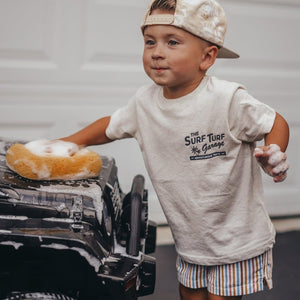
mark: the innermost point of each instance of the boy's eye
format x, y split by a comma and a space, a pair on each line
149, 42
173, 42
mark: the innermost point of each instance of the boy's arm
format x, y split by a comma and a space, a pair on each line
279, 133
271, 157
93, 134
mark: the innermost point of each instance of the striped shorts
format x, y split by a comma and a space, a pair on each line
240, 278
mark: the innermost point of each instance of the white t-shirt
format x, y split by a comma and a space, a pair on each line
198, 151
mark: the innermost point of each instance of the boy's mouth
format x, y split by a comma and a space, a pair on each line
159, 69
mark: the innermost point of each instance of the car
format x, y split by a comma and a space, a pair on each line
74, 239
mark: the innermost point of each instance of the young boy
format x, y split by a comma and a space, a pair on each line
197, 135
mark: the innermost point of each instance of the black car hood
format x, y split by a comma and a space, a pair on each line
57, 214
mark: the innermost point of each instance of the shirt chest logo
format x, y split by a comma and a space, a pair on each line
205, 146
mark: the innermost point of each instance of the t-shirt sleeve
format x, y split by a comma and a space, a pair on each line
123, 122
249, 119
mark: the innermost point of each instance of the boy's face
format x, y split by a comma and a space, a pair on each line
172, 58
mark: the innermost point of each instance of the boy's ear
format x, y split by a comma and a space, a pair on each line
209, 57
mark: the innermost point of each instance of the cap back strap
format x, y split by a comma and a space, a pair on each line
159, 20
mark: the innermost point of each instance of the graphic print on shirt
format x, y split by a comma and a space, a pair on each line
205, 146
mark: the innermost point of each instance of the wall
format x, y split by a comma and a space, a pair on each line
65, 63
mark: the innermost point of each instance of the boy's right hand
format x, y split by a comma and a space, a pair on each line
273, 161
61, 147
54, 147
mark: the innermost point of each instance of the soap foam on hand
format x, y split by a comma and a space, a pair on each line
55, 147
273, 161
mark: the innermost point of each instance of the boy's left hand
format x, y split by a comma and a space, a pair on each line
273, 161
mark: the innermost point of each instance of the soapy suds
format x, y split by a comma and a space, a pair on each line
277, 163
11, 217
42, 172
119, 249
10, 243
280, 168
93, 191
63, 220
61, 207
2, 147
2, 231
56, 147
85, 173
275, 155
44, 296
93, 261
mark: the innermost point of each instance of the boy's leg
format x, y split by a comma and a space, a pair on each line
202, 294
192, 294
216, 297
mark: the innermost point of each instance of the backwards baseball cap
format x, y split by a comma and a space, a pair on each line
203, 18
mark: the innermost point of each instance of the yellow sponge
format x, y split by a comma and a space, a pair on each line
82, 164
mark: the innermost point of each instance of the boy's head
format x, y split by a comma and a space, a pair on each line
205, 19
182, 40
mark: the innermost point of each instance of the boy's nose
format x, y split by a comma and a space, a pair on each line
158, 52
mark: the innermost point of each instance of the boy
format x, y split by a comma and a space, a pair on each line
197, 135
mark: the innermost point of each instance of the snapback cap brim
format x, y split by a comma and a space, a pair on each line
226, 53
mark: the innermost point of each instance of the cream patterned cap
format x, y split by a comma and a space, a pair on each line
203, 18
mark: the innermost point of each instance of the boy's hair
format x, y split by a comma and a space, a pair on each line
168, 5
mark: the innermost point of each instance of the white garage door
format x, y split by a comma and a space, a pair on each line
65, 63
